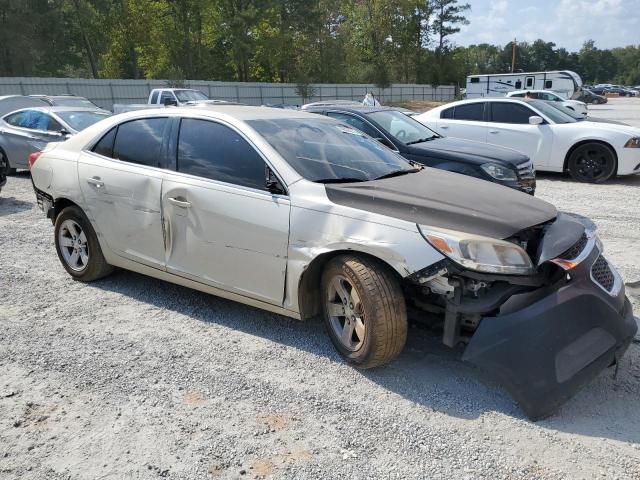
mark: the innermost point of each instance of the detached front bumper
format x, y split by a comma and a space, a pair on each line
547, 344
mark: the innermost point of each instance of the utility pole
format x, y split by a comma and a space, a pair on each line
513, 55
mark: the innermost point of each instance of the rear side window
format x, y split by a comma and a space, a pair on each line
447, 113
32, 119
140, 141
471, 111
503, 112
548, 84
154, 97
518, 85
15, 119
211, 150
474, 80
105, 146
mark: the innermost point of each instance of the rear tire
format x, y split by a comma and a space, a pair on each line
77, 246
364, 310
592, 163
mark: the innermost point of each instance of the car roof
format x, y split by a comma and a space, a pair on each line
532, 90
58, 109
62, 95
351, 108
239, 112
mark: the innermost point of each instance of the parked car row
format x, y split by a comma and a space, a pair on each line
336, 211
604, 88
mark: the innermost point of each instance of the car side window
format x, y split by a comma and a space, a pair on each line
15, 119
211, 150
104, 146
166, 95
447, 113
355, 122
470, 111
548, 84
154, 97
31, 119
53, 125
504, 112
361, 125
140, 141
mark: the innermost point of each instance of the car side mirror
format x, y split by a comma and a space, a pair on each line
170, 102
535, 120
272, 184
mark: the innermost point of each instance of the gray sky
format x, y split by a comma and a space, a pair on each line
568, 23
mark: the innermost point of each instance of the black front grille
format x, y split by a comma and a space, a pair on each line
577, 248
601, 273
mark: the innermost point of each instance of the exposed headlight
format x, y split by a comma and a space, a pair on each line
633, 143
480, 253
499, 172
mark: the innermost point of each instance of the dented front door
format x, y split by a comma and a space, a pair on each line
123, 201
227, 236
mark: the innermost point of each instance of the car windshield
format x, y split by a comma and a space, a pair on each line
81, 120
74, 102
550, 110
322, 150
401, 126
190, 95
567, 111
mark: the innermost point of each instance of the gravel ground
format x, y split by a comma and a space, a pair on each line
132, 377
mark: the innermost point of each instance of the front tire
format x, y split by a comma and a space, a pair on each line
77, 246
592, 163
364, 310
4, 162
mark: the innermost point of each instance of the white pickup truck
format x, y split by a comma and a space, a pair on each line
164, 97
176, 96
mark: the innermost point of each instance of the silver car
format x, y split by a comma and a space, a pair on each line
302, 215
28, 130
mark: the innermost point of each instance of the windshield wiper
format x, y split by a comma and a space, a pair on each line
339, 180
397, 173
420, 140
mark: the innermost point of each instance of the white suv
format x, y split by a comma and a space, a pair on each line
549, 96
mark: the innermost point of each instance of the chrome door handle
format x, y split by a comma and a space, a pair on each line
179, 202
444, 127
493, 131
96, 182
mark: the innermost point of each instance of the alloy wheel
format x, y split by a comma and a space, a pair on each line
592, 163
73, 245
346, 315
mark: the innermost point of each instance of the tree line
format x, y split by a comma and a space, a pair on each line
297, 41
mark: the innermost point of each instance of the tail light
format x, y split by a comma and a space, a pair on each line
32, 158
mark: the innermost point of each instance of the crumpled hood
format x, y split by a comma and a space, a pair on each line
472, 152
447, 200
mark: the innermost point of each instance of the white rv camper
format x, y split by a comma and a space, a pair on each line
564, 82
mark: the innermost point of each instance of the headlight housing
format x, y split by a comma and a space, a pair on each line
499, 172
476, 252
633, 143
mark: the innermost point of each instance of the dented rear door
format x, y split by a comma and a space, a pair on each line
124, 203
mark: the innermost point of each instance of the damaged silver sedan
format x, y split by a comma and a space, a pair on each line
302, 215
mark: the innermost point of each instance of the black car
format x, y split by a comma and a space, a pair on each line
420, 144
589, 96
